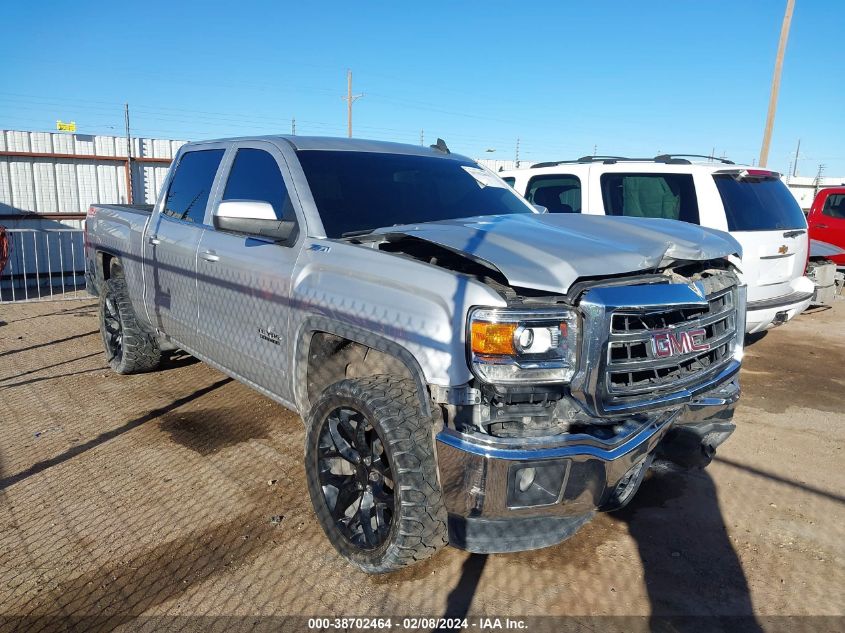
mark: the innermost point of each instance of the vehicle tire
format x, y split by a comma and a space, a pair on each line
625, 489
129, 349
372, 473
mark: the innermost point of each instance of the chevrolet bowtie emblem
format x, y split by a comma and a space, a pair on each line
783, 249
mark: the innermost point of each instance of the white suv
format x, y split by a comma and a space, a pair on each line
752, 204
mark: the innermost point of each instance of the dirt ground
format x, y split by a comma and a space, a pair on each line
126, 497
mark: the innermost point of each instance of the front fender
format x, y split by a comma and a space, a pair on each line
413, 310
314, 324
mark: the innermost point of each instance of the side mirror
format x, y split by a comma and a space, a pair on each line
540, 208
252, 217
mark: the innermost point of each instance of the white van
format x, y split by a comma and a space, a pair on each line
750, 203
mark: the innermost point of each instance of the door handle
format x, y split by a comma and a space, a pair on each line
154, 240
210, 256
819, 226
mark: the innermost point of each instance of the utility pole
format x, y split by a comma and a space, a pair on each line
293, 126
517, 152
818, 183
130, 195
773, 97
422, 137
350, 99
595, 149
795, 163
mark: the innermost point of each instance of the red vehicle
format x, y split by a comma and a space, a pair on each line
827, 219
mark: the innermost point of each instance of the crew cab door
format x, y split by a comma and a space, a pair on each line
827, 218
171, 243
244, 281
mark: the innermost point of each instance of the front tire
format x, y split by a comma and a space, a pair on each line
372, 475
129, 349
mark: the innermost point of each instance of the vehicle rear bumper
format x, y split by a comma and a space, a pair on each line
765, 313
574, 475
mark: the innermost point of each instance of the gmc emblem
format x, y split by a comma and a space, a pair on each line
669, 343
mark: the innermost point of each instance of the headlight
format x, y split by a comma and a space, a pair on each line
523, 346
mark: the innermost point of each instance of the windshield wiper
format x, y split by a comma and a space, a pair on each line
357, 233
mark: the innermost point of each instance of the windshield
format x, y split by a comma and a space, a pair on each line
360, 191
759, 204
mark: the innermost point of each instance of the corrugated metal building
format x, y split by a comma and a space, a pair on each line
57, 175
47, 182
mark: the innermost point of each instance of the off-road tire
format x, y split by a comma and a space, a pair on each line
419, 522
138, 350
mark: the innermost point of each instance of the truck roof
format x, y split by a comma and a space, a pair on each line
331, 143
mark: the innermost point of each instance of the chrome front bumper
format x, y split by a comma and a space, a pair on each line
577, 474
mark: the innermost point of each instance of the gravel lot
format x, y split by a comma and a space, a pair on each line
152, 495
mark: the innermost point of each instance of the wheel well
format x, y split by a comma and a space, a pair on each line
104, 261
332, 358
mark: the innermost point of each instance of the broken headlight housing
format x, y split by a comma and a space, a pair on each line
523, 346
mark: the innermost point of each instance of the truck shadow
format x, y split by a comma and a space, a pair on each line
693, 576
751, 339
460, 598
692, 573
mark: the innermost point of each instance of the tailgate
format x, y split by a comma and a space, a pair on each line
771, 260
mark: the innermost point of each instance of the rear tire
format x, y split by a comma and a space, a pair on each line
372, 474
129, 349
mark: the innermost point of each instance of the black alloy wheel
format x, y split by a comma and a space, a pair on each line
371, 471
356, 478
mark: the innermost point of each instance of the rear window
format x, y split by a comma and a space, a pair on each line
188, 194
759, 204
650, 195
559, 194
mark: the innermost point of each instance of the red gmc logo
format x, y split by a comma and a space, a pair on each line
669, 343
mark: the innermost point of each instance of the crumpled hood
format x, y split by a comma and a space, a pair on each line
550, 252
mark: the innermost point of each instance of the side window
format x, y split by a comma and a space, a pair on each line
188, 193
670, 196
834, 206
510, 180
255, 175
558, 193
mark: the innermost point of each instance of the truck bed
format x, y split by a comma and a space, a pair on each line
118, 230
144, 209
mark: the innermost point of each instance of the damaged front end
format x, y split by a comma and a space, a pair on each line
575, 396
580, 381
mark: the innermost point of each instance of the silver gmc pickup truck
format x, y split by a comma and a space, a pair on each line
470, 370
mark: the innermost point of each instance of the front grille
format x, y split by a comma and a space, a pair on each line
635, 369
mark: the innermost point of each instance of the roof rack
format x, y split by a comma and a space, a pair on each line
670, 159
682, 159
589, 159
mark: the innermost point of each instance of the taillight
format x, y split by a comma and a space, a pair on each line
92, 210
807, 263
758, 173
742, 174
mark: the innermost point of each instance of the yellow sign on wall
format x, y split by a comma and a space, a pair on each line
70, 126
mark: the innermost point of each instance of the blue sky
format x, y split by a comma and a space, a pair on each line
630, 78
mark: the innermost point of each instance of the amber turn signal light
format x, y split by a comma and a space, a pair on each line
493, 338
